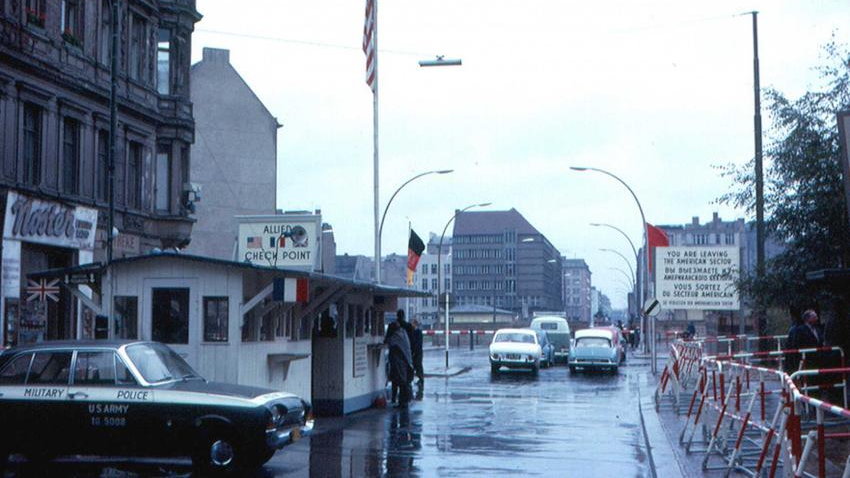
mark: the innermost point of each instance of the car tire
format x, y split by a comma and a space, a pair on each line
217, 453
494, 369
535, 369
572, 369
614, 370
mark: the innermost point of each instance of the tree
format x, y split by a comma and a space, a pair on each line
804, 190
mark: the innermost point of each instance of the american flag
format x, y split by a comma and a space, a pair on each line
255, 242
369, 45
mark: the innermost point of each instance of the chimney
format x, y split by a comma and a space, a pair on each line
715, 218
216, 55
695, 221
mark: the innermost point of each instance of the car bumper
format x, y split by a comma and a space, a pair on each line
282, 437
513, 363
562, 355
588, 363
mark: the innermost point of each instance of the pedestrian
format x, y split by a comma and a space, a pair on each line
416, 344
808, 333
400, 358
637, 338
692, 331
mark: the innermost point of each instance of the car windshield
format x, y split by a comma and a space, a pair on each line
158, 363
593, 342
549, 325
514, 337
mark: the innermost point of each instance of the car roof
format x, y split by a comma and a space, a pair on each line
548, 318
595, 332
73, 344
511, 331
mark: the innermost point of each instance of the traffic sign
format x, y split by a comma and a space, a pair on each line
651, 307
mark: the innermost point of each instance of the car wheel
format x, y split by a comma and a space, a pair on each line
494, 369
614, 370
535, 369
217, 453
572, 369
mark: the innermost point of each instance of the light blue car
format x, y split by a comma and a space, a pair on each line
595, 349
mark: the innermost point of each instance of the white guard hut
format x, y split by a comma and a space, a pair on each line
315, 335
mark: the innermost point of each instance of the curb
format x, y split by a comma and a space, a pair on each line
449, 373
662, 449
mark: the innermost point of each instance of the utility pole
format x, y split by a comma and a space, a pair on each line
760, 315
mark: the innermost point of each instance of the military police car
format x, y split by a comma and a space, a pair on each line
133, 398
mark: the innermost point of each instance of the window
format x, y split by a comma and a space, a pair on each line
163, 62
50, 368
95, 368
448, 284
433, 268
216, 319
170, 315
434, 284
72, 21
359, 325
32, 144
424, 284
424, 269
136, 68
105, 32
730, 239
162, 181
70, 156
102, 167
126, 316
134, 175
15, 372
35, 13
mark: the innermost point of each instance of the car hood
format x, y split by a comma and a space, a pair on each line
514, 347
227, 390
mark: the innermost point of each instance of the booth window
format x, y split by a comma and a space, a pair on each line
306, 327
215, 319
359, 330
126, 317
267, 326
170, 307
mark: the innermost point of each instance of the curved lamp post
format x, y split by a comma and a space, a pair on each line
623, 257
644, 272
631, 279
384, 216
440, 271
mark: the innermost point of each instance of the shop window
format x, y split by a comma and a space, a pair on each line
162, 179
94, 368
126, 315
72, 22
50, 368
215, 319
163, 62
170, 312
70, 156
32, 144
15, 373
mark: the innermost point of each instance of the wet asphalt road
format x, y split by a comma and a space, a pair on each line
555, 424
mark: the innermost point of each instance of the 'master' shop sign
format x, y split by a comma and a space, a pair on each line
46, 222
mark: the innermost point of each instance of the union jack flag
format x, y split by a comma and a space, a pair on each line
42, 290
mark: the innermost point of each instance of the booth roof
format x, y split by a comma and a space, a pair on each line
99, 267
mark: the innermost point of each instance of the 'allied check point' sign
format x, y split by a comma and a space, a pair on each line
697, 278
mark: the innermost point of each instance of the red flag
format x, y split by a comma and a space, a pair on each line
657, 238
415, 247
369, 26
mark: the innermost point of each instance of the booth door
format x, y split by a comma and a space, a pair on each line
172, 315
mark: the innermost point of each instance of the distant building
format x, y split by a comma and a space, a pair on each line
426, 309
480, 317
576, 287
357, 267
499, 259
234, 157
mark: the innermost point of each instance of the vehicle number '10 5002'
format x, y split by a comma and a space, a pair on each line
109, 421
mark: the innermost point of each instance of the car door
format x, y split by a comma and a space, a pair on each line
13, 378
45, 400
101, 394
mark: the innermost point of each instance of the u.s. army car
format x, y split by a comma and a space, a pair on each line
137, 398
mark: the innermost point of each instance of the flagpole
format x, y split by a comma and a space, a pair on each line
375, 143
410, 283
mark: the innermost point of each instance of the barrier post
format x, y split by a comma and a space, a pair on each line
471, 338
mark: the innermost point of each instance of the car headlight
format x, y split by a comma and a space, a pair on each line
276, 415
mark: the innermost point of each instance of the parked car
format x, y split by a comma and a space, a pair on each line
597, 348
138, 398
558, 330
547, 350
515, 348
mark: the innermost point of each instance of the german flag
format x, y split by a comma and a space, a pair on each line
415, 247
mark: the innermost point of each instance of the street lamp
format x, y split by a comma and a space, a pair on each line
644, 272
631, 279
632, 244
623, 257
384, 216
440, 271
441, 60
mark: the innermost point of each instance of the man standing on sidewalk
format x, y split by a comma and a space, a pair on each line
400, 358
416, 344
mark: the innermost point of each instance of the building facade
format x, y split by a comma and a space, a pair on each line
576, 290
500, 259
234, 158
55, 58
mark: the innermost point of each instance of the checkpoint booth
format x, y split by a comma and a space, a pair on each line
312, 334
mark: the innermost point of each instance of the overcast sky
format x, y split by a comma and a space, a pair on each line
657, 92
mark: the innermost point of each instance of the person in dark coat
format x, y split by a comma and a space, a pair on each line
400, 358
416, 344
805, 335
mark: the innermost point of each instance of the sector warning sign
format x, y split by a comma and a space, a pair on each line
700, 278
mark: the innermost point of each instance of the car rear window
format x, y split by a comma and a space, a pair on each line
548, 325
514, 337
593, 342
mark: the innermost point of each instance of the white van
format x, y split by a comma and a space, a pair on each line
558, 330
